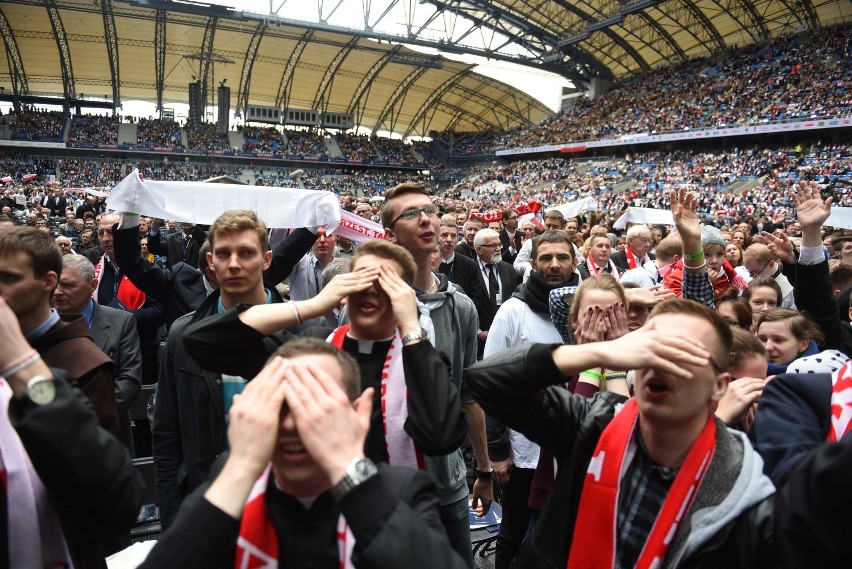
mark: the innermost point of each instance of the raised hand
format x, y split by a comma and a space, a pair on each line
615, 321
403, 299
739, 400
780, 246
811, 209
331, 427
683, 205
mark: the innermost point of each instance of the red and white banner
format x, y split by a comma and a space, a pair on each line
356, 228
6, 179
29, 177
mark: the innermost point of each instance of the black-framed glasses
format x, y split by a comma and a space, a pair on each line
429, 210
754, 274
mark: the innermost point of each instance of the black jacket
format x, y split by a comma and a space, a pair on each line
506, 242
223, 343
189, 417
94, 487
804, 524
813, 295
176, 249
393, 517
181, 288
464, 272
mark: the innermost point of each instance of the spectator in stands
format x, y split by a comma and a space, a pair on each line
112, 330
306, 278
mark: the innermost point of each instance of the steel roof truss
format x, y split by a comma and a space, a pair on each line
328, 78
248, 64
111, 38
286, 85
397, 95
160, 56
435, 96
20, 83
63, 49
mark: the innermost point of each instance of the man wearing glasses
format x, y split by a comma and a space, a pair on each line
759, 262
511, 239
637, 252
411, 220
497, 276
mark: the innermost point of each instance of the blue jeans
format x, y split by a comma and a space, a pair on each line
456, 522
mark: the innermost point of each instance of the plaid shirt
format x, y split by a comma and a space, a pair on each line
643, 491
697, 287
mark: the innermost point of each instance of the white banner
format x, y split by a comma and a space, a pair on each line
644, 215
356, 228
840, 217
574, 209
198, 202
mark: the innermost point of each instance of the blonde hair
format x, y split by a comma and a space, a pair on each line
237, 221
604, 282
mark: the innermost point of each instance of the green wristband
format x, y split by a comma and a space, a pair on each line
694, 256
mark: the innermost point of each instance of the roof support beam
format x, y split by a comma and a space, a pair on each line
460, 113
355, 106
699, 16
284, 88
434, 98
328, 77
160, 56
111, 38
493, 104
62, 48
397, 96
662, 33
248, 64
20, 83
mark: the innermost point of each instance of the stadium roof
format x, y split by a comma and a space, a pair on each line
152, 49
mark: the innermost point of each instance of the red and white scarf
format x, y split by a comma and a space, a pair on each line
841, 402
35, 534
631, 258
257, 544
401, 449
130, 297
595, 271
593, 545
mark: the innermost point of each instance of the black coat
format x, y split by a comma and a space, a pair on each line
463, 272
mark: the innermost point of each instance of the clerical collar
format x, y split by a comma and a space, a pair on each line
366, 346
305, 501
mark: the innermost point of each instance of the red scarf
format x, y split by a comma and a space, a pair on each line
841, 402
130, 297
594, 541
402, 451
257, 544
631, 260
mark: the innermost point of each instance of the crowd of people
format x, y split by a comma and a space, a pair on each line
93, 130
267, 139
158, 133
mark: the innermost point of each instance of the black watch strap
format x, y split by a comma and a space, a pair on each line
487, 475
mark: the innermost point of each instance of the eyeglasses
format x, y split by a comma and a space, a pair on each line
754, 274
429, 210
490, 245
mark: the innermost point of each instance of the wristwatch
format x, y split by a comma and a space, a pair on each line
359, 470
420, 334
41, 390
484, 475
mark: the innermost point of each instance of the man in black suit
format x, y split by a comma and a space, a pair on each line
497, 276
511, 239
637, 252
56, 203
113, 331
461, 270
466, 247
179, 247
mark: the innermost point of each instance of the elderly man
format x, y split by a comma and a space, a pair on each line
112, 330
306, 278
64, 245
637, 252
304, 494
466, 247
496, 276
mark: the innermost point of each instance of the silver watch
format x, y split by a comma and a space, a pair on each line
41, 390
359, 470
420, 334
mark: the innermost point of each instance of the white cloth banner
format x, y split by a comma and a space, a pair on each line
644, 215
840, 217
356, 228
574, 209
198, 202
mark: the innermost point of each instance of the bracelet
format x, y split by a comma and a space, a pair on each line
23, 358
615, 375
32, 357
590, 373
701, 266
296, 312
487, 475
694, 256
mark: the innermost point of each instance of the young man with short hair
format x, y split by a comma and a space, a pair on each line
296, 489
411, 220
192, 404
